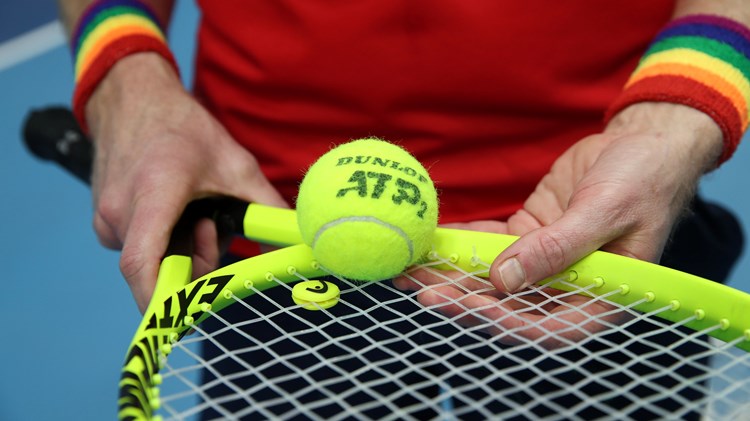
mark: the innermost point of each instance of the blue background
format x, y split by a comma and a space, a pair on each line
68, 314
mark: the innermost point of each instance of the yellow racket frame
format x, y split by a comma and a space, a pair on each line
179, 303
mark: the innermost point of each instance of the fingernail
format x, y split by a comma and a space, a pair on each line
512, 275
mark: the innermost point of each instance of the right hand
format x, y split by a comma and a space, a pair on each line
157, 149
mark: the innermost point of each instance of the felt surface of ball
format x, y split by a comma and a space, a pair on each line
368, 209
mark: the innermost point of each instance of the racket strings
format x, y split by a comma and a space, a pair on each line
289, 356
380, 353
387, 377
730, 397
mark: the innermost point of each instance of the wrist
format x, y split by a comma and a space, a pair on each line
685, 134
127, 84
703, 62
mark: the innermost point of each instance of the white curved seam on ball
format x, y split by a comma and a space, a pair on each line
372, 219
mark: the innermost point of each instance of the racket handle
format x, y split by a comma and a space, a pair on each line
53, 134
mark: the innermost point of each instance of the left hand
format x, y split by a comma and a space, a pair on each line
540, 315
621, 191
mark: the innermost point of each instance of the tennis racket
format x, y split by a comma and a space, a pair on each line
276, 337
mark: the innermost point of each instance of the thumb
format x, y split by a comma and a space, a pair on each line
546, 251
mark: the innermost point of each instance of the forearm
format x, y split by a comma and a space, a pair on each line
738, 10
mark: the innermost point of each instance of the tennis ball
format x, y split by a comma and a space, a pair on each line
368, 209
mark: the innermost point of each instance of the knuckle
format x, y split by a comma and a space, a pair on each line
108, 217
249, 169
108, 209
106, 235
553, 248
132, 264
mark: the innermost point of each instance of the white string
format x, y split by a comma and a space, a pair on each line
483, 377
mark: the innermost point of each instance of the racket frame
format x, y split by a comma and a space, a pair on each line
178, 304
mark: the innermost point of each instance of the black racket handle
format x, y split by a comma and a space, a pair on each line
53, 134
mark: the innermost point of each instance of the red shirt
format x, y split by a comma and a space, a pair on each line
485, 93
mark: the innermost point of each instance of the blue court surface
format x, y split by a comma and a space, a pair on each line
68, 315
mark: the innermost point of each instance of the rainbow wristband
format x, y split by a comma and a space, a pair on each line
701, 61
107, 31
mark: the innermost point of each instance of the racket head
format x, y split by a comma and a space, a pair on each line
462, 259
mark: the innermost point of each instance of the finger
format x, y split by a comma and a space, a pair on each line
522, 222
561, 321
105, 231
206, 251
491, 226
647, 245
417, 279
457, 304
488, 313
246, 181
425, 277
145, 243
548, 250
111, 212
550, 198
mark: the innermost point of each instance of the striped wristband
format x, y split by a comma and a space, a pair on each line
701, 61
107, 31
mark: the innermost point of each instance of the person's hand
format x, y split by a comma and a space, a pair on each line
157, 149
620, 191
547, 316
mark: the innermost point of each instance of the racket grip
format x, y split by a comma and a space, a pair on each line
53, 134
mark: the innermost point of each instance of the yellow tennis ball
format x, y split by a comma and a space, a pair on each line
368, 209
